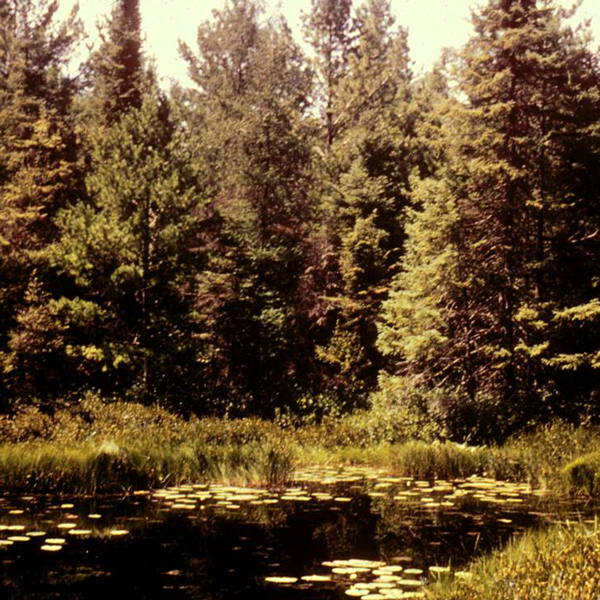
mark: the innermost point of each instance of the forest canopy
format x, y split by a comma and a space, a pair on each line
298, 235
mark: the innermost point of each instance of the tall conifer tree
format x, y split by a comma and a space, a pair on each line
115, 68
492, 326
38, 174
128, 255
329, 29
364, 193
248, 113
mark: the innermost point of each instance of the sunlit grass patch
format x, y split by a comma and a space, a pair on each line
85, 468
560, 562
97, 447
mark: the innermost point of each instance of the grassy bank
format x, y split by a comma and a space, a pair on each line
98, 447
86, 468
120, 447
560, 562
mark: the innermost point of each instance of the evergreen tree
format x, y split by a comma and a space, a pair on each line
248, 110
364, 194
330, 31
37, 144
115, 69
128, 255
38, 174
482, 302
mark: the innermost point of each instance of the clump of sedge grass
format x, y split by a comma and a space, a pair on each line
415, 458
446, 460
98, 446
542, 455
88, 469
583, 474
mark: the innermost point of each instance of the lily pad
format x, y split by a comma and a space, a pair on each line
281, 579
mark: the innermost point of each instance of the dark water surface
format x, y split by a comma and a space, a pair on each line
335, 532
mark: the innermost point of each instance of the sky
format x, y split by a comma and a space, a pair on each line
432, 25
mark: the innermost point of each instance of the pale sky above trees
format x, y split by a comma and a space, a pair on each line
432, 25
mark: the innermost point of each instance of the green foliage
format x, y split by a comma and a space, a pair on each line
35, 138
583, 474
329, 30
544, 452
253, 145
115, 69
99, 447
32, 367
89, 417
364, 192
416, 413
92, 446
38, 176
298, 238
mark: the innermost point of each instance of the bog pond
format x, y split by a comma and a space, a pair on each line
334, 533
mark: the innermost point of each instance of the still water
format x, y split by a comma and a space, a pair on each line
332, 534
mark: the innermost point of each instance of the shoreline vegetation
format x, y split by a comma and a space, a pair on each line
99, 447
562, 561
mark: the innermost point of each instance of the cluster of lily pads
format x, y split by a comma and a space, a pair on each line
331, 487
18, 528
372, 579
334, 487
219, 496
437, 493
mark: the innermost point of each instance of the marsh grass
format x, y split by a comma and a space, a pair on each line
560, 562
543, 454
415, 458
87, 469
98, 446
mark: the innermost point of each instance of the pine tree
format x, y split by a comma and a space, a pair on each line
128, 255
329, 29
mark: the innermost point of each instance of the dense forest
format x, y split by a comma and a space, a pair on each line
300, 234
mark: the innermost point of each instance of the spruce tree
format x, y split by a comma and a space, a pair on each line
39, 172
492, 327
115, 69
364, 194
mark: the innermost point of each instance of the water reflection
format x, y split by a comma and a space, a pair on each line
352, 532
